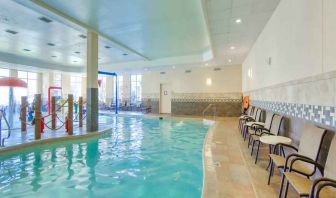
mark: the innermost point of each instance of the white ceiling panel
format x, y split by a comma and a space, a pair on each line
163, 31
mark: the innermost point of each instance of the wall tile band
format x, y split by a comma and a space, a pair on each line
324, 115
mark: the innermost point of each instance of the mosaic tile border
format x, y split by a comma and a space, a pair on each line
209, 100
325, 115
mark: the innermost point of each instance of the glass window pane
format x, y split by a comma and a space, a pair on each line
4, 72
32, 75
22, 74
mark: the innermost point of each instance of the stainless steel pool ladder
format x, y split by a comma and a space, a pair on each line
214, 110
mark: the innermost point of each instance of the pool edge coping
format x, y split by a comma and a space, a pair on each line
205, 161
53, 140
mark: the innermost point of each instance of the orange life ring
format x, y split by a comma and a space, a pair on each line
246, 100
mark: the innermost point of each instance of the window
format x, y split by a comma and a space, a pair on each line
57, 80
136, 88
76, 86
102, 88
31, 79
4, 72
120, 88
4, 90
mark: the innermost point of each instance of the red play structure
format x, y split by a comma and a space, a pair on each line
49, 95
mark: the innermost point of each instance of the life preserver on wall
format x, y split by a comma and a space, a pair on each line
246, 100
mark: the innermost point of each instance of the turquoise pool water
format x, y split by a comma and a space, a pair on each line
142, 157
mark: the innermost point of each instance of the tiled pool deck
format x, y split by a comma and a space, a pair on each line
230, 171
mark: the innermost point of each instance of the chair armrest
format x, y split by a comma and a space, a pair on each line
257, 125
285, 145
296, 157
307, 160
326, 182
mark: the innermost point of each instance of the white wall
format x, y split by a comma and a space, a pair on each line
299, 38
227, 80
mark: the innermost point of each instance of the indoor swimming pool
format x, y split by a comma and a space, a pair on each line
142, 157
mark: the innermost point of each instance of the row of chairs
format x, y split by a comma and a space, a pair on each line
298, 166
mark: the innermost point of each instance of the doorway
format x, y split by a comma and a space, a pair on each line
165, 98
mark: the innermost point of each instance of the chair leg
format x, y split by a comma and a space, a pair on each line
270, 172
281, 184
256, 159
249, 142
245, 133
286, 189
252, 147
270, 150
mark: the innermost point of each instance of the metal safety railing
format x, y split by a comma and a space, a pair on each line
38, 121
210, 107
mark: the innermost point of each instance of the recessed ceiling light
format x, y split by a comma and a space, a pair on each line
107, 47
77, 52
27, 50
45, 19
206, 64
232, 47
125, 54
82, 36
11, 31
238, 21
50, 44
229, 60
173, 66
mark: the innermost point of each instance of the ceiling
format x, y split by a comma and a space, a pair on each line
133, 34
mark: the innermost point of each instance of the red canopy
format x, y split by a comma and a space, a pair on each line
12, 82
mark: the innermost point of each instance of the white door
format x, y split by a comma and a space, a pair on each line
165, 98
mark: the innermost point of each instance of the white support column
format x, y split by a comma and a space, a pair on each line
92, 83
40, 83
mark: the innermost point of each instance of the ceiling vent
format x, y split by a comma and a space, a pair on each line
125, 54
107, 47
27, 50
217, 69
45, 19
82, 36
162, 73
11, 31
77, 52
50, 44
187, 71
53, 56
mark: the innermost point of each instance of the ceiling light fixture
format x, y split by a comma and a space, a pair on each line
206, 64
11, 31
173, 66
45, 19
229, 60
232, 47
238, 21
